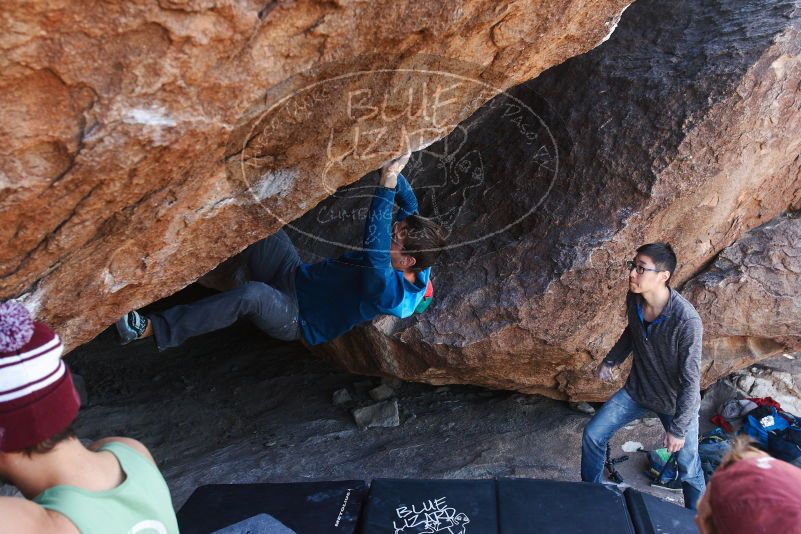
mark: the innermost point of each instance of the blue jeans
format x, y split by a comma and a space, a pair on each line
620, 410
268, 299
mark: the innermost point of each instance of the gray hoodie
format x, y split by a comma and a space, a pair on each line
666, 372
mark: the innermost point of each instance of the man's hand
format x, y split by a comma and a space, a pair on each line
390, 171
606, 372
672, 443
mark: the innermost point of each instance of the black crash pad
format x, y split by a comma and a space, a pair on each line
305, 508
431, 506
548, 506
393, 506
651, 515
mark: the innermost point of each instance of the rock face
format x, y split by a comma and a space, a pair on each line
750, 298
766, 382
681, 128
145, 142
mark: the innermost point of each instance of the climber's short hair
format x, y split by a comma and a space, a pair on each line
424, 240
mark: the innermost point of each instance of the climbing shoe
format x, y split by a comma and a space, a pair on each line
131, 326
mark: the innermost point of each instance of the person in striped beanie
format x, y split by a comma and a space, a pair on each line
67, 483
37, 397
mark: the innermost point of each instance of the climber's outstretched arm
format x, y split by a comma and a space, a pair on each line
405, 198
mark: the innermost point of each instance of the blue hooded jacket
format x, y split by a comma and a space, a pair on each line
335, 295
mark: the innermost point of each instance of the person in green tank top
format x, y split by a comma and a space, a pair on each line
113, 486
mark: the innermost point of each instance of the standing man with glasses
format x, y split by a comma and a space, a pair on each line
664, 333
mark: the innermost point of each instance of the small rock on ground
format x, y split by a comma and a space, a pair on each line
383, 414
341, 396
382, 392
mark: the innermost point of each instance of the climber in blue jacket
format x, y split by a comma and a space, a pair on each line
288, 299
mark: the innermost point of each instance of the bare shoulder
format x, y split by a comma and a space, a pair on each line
132, 443
21, 516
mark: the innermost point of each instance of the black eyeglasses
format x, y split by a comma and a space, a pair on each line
639, 268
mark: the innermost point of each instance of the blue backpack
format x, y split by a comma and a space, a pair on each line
761, 425
786, 444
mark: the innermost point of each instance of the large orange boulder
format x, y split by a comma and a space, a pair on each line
145, 142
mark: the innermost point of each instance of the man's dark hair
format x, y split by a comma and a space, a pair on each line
50, 443
662, 255
424, 240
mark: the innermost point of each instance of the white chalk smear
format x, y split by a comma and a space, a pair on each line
111, 282
632, 446
32, 301
151, 117
275, 183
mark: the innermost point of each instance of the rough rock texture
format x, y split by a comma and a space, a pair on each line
382, 414
682, 127
750, 298
144, 142
767, 382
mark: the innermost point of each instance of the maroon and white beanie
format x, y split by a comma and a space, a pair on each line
37, 397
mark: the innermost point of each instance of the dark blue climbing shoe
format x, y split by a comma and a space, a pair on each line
131, 326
